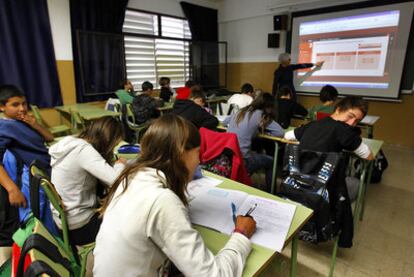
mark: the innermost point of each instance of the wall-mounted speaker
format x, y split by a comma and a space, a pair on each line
273, 40
280, 22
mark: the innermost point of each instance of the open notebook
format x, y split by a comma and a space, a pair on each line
212, 208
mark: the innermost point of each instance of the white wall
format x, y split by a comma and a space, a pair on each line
245, 24
59, 15
168, 7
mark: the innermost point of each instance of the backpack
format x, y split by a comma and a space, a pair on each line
36, 251
20, 174
307, 183
380, 164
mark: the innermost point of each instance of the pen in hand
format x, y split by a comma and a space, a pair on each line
252, 208
233, 210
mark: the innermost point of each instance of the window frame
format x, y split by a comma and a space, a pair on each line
159, 36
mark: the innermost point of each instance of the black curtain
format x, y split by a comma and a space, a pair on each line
27, 57
202, 21
204, 48
98, 51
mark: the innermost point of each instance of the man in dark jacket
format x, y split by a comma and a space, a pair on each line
283, 75
193, 110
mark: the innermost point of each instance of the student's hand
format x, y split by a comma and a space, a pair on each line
17, 199
246, 224
29, 119
122, 161
319, 64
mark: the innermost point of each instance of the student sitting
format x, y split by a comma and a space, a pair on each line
337, 132
256, 118
23, 137
166, 91
244, 98
185, 92
126, 92
193, 110
144, 106
328, 96
78, 164
145, 214
287, 108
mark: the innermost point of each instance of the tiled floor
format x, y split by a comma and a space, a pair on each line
383, 241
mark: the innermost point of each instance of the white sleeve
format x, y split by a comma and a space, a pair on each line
362, 151
91, 161
170, 228
290, 135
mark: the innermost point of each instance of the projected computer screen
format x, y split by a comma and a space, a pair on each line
363, 50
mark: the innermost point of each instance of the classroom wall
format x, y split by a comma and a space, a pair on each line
59, 16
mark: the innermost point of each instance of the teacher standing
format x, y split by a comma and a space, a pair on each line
283, 76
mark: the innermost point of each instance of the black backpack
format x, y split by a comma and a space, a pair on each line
309, 173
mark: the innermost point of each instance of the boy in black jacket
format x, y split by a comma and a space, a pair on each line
287, 107
193, 110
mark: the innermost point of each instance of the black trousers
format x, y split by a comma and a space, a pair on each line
86, 234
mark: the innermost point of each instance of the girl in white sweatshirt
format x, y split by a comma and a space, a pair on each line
145, 217
78, 163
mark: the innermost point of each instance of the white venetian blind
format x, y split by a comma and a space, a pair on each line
149, 58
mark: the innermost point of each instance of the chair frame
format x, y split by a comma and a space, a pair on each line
57, 203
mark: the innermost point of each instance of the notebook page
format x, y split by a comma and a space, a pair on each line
212, 208
273, 221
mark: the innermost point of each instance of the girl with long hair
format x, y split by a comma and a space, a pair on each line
78, 164
145, 216
258, 117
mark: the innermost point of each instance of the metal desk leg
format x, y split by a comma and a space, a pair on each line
294, 256
367, 182
360, 193
370, 131
220, 108
273, 185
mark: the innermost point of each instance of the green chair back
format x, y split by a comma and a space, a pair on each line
36, 114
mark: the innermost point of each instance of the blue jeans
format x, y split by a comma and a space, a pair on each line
255, 161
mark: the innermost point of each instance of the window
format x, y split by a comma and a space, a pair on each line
156, 46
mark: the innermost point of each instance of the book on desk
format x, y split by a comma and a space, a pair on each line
211, 207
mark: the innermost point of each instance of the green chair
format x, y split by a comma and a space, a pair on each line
57, 203
59, 129
138, 129
76, 121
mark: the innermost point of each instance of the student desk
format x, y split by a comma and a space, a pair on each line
365, 178
86, 111
260, 257
368, 122
217, 100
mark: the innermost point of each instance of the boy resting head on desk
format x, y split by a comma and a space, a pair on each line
337, 132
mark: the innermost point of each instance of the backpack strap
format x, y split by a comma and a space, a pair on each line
50, 250
40, 267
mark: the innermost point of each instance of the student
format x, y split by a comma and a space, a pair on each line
144, 106
283, 75
287, 108
185, 92
256, 118
244, 98
145, 214
23, 137
166, 91
337, 133
126, 92
193, 110
328, 96
78, 164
